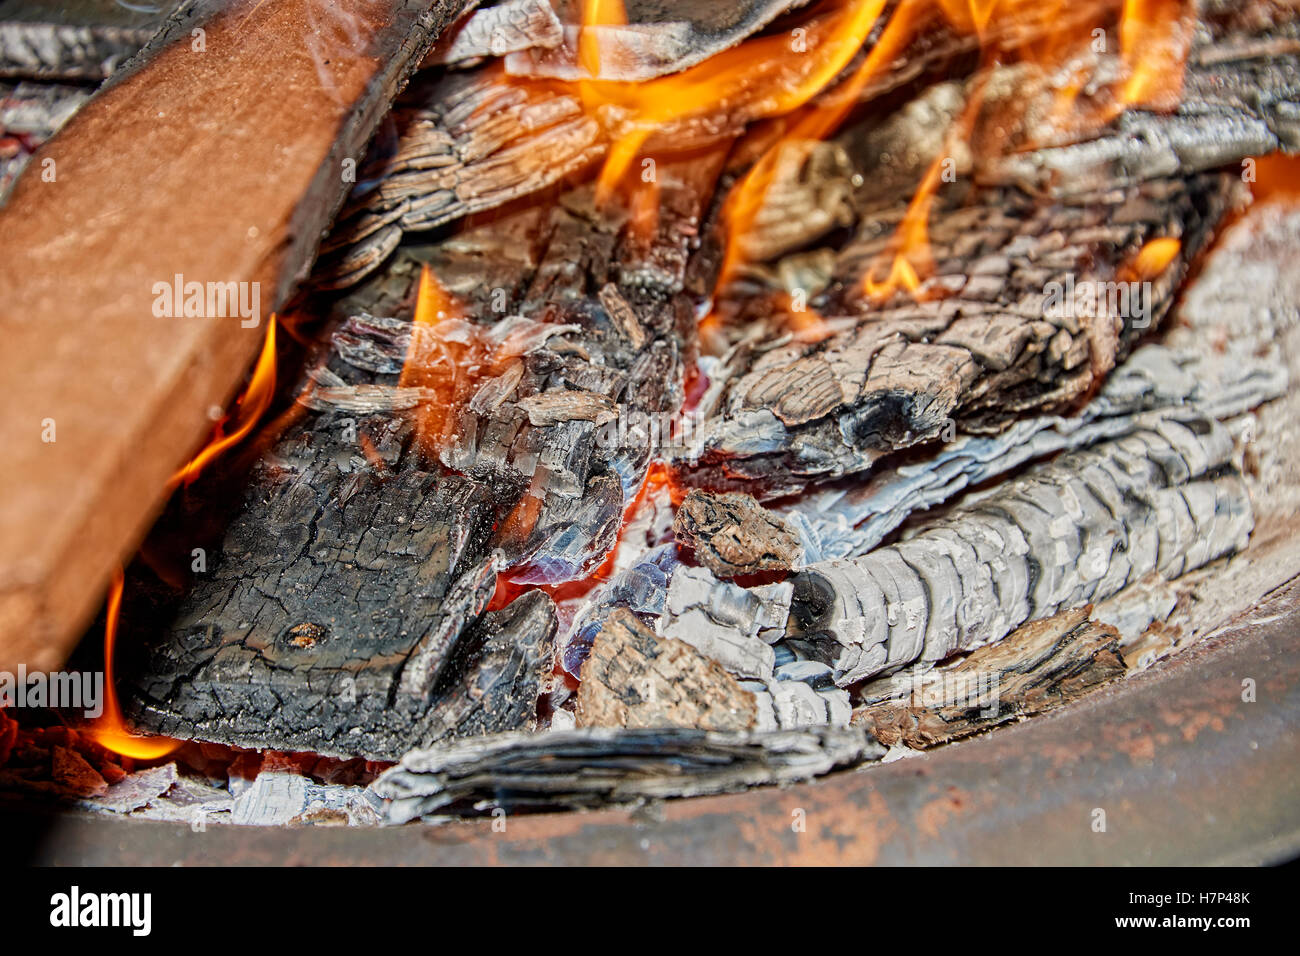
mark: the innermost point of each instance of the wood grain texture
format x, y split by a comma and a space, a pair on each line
187, 163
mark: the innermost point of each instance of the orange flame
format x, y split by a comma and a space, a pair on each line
1153, 47
1154, 257
252, 406
110, 730
435, 360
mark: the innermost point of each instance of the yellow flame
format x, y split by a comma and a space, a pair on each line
1155, 256
109, 730
252, 406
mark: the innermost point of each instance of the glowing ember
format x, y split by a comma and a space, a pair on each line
110, 730
252, 406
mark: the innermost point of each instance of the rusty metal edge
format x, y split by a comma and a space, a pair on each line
1185, 770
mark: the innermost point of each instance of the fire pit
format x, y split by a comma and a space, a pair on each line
635, 402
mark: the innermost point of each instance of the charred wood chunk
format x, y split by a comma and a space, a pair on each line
595, 767
733, 534
1067, 533
1031, 320
1041, 666
658, 38
338, 600
634, 678
1240, 97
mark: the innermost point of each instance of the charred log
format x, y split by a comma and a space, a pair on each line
1009, 336
600, 767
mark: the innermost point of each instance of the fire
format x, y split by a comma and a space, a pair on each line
110, 729
439, 357
252, 406
1153, 39
1154, 257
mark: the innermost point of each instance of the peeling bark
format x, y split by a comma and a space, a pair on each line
1041, 666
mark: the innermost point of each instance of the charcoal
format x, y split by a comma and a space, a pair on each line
357, 567
732, 534
597, 767
1039, 667
1078, 529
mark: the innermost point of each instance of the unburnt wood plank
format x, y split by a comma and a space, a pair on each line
190, 162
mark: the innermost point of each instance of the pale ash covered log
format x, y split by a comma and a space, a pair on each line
1067, 533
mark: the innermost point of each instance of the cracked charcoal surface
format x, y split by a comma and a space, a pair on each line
1065, 534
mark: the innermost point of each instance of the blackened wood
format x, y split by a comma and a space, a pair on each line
353, 537
595, 767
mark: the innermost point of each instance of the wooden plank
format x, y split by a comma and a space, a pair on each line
221, 165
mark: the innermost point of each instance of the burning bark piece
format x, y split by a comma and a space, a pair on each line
495, 31
1069, 532
634, 678
1014, 336
839, 522
597, 767
1039, 667
1240, 97
95, 277
658, 38
732, 534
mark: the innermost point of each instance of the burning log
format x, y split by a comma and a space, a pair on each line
596, 767
90, 457
838, 522
380, 561
1069, 532
495, 31
1041, 666
1012, 336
